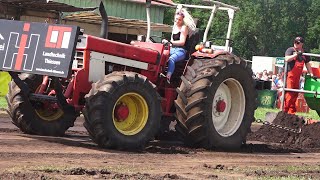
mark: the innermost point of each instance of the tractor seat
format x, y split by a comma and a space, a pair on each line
190, 47
192, 42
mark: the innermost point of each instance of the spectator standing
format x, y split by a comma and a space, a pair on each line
280, 82
265, 75
274, 83
296, 61
259, 75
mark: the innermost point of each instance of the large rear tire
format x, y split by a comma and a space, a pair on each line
122, 111
216, 103
40, 118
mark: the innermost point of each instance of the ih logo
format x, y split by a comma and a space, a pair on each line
58, 37
22, 51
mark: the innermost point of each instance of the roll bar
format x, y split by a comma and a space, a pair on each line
216, 6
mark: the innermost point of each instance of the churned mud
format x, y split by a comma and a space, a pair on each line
266, 154
308, 140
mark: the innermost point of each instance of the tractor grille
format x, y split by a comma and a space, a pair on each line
78, 60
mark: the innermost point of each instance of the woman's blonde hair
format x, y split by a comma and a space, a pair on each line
187, 19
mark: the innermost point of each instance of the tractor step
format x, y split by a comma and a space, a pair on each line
42, 97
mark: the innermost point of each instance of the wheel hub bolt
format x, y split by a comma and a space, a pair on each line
221, 106
121, 112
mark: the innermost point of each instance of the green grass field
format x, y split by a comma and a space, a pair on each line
261, 112
3, 103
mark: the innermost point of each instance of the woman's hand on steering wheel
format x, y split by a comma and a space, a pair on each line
165, 41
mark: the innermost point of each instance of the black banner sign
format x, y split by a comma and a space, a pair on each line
37, 48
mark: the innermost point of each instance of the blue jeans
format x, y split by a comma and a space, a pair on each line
176, 54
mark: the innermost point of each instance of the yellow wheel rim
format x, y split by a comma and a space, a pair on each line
49, 115
137, 117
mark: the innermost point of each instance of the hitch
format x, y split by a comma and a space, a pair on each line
60, 96
23, 86
60, 99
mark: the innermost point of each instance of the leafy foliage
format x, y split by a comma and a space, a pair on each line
262, 27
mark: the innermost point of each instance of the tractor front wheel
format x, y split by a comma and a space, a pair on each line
35, 117
122, 111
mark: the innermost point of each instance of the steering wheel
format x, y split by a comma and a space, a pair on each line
155, 36
160, 37
166, 45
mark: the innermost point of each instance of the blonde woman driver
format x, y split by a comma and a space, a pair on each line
183, 27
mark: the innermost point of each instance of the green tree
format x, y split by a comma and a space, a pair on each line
263, 27
313, 33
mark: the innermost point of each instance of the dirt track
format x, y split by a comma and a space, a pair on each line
76, 157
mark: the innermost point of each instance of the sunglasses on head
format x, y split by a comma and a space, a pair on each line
180, 13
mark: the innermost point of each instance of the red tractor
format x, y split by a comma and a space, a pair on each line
121, 94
